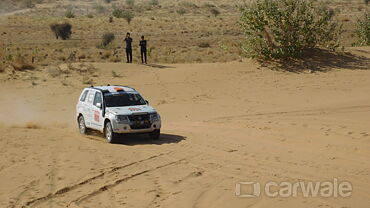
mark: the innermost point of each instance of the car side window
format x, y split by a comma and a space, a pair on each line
98, 98
90, 97
84, 95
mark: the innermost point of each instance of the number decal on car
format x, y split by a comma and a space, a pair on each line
96, 116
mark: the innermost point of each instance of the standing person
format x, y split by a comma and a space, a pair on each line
128, 41
143, 49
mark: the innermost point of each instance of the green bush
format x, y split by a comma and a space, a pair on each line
70, 14
99, 8
107, 39
63, 31
215, 11
187, 4
153, 2
130, 3
204, 45
363, 30
127, 15
208, 5
28, 3
286, 28
117, 13
181, 11
2, 67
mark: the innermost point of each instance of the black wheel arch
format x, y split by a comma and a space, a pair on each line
78, 117
105, 124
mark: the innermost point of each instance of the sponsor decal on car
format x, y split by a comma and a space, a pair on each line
134, 109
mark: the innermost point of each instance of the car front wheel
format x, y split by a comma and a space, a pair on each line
82, 125
109, 134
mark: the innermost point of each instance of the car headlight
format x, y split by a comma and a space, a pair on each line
154, 117
122, 119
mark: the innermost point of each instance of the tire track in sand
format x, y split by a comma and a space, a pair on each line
72, 187
106, 187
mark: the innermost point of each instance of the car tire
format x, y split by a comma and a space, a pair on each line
155, 134
82, 125
109, 134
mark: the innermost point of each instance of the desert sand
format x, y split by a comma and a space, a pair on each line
226, 119
223, 123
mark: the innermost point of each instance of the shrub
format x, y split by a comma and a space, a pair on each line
286, 28
63, 31
20, 64
107, 1
107, 39
87, 81
188, 4
209, 5
28, 4
127, 15
70, 14
90, 15
215, 11
366, 2
153, 2
114, 74
181, 11
204, 45
363, 30
130, 3
99, 8
2, 67
117, 13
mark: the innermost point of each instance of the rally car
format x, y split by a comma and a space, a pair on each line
116, 110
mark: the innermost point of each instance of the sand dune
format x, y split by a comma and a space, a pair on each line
223, 124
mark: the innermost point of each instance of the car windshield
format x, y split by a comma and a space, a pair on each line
123, 99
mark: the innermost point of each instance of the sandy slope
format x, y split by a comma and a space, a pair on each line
223, 123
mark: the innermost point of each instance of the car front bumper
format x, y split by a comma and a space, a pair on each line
125, 128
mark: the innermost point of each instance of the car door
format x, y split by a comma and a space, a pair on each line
81, 105
89, 109
97, 110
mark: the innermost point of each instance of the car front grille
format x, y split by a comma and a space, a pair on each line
143, 117
140, 121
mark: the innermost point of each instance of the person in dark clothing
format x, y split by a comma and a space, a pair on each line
143, 49
128, 41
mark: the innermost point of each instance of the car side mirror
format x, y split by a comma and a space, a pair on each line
98, 105
147, 102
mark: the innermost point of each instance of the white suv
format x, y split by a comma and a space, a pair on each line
114, 110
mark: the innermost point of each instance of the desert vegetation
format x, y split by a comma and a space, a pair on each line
20, 63
2, 67
215, 11
124, 14
177, 31
107, 40
153, 2
286, 28
130, 3
70, 14
63, 30
181, 11
363, 30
